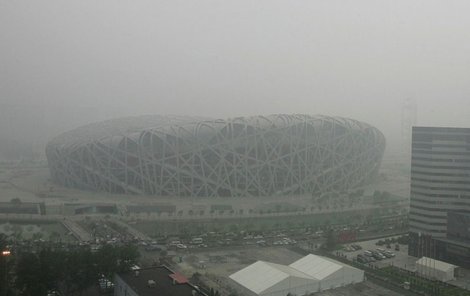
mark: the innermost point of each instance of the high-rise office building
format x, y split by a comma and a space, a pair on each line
440, 188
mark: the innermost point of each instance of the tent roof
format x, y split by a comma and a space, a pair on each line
261, 275
316, 266
436, 264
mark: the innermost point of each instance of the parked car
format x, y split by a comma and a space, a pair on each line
151, 248
362, 260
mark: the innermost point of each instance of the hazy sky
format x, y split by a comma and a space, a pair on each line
66, 63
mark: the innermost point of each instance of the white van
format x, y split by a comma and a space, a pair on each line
197, 241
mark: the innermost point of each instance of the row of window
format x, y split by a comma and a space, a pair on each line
439, 174
424, 194
412, 219
428, 159
421, 145
461, 209
413, 185
431, 152
415, 214
438, 130
451, 135
415, 229
447, 167
440, 181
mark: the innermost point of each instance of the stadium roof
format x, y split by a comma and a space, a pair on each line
261, 275
174, 156
120, 127
115, 129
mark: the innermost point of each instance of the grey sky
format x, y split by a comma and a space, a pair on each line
66, 63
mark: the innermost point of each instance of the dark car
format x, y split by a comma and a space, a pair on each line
152, 248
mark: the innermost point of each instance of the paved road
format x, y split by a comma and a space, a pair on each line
134, 232
80, 233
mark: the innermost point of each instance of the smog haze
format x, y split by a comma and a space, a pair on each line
68, 63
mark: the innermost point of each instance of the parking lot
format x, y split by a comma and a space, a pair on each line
216, 265
401, 258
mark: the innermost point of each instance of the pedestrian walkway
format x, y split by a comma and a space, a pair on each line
80, 233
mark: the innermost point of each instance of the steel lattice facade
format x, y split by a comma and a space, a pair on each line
246, 156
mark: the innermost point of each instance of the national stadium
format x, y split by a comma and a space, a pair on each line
256, 156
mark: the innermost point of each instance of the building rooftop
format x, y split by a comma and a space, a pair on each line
260, 276
435, 264
166, 282
21, 208
318, 267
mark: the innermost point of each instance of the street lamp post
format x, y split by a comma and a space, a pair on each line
5, 254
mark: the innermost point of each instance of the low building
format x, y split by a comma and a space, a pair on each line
19, 207
435, 269
152, 281
308, 275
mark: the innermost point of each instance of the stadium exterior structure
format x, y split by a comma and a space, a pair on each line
246, 156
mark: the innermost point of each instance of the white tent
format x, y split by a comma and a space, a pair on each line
307, 275
331, 274
435, 269
264, 278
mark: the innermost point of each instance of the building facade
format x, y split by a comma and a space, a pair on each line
440, 186
455, 247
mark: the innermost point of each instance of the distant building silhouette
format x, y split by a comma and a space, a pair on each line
409, 117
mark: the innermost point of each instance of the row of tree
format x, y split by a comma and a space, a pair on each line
71, 271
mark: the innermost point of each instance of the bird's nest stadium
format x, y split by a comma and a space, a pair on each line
171, 156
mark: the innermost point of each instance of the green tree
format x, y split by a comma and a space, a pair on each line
54, 236
110, 259
52, 266
80, 271
233, 228
127, 257
15, 201
37, 236
29, 279
330, 240
71, 271
106, 260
